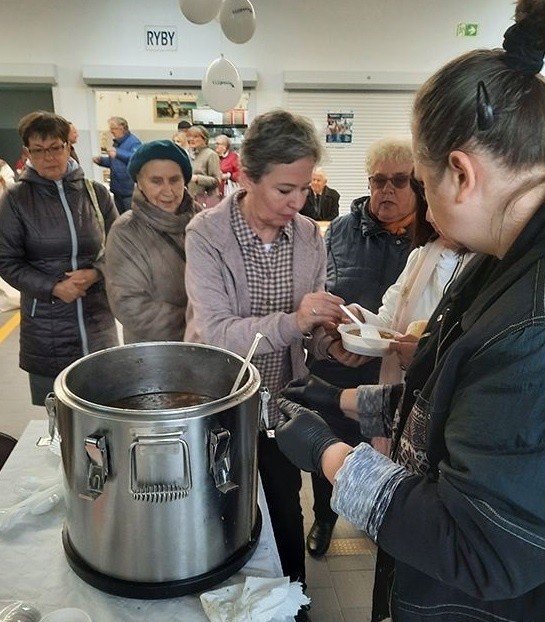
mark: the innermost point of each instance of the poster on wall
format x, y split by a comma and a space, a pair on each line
339, 127
167, 108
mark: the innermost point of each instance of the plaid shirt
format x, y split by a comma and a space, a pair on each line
269, 272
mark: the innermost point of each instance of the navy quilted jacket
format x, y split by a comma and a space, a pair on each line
363, 259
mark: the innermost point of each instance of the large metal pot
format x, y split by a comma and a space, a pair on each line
160, 502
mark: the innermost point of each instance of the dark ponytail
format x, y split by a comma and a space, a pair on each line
531, 13
524, 42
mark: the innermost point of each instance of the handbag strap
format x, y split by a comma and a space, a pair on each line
172, 243
94, 200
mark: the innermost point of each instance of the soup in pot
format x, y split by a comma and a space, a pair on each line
160, 401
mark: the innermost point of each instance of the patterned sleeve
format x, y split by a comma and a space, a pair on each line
377, 404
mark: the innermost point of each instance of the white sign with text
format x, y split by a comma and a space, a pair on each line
161, 38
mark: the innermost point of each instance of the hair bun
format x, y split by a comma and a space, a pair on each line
523, 51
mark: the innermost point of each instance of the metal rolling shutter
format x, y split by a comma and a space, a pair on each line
376, 114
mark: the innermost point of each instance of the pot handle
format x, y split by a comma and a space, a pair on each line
97, 468
160, 468
220, 459
51, 408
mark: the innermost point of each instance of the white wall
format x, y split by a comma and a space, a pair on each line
310, 35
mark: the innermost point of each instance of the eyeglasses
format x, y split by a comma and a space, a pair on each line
38, 153
378, 182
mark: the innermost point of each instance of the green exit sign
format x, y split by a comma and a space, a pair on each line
467, 30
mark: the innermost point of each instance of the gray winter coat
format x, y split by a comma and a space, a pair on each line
206, 167
145, 273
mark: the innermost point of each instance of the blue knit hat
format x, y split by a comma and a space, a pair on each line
160, 150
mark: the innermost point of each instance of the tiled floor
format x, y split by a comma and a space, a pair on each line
340, 584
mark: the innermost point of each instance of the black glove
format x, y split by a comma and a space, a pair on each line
304, 437
319, 395
316, 394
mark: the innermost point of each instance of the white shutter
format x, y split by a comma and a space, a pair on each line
376, 114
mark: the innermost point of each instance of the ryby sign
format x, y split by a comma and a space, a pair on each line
161, 38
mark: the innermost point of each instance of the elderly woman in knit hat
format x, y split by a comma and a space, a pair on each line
145, 257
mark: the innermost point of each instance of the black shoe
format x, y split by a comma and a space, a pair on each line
319, 537
303, 615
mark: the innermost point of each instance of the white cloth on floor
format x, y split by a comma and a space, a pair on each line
257, 600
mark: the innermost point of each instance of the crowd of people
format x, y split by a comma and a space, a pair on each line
435, 449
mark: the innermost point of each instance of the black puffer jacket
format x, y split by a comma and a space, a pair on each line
48, 228
467, 524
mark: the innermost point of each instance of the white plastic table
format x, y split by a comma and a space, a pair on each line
33, 567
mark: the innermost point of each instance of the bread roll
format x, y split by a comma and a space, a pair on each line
417, 328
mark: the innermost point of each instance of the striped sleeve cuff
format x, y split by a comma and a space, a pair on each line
364, 487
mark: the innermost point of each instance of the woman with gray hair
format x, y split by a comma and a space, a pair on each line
255, 265
229, 164
204, 183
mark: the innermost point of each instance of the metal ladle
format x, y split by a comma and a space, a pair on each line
366, 330
247, 360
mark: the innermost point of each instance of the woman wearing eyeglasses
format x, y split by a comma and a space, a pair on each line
367, 250
52, 233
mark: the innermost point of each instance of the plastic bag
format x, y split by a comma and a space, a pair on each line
18, 611
40, 496
231, 186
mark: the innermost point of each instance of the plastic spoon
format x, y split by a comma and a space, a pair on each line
366, 330
246, 363
38, 503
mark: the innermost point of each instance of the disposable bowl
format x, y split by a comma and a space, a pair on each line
355, 343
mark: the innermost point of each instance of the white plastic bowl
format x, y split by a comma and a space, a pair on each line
363, 345
69, 614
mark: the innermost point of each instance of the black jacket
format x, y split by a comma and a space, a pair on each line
41, 238
468, 534
322, 207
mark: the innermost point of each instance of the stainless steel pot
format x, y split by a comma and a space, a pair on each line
160, 502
